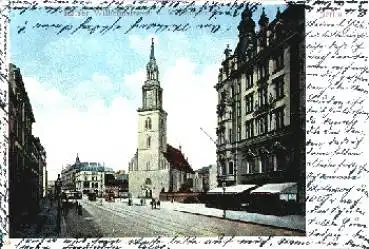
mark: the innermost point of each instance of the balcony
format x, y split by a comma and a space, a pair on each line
226, 178
225, 146
265, 177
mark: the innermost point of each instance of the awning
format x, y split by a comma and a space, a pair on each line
231, 189
287, 187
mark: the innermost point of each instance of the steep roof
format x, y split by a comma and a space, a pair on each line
177, 160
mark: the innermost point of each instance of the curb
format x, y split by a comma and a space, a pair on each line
242, 221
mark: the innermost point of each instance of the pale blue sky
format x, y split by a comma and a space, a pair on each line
85, 89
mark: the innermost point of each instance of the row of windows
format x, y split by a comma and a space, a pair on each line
259, 164
262, 97
266, 163
230, 170
148, 124
148, 141
162, 165
86, 184
262, 68
261, 72
276, 122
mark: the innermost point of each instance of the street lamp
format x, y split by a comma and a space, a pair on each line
58, 185
224, 189
101, 186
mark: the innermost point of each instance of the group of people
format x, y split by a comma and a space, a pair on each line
155, 204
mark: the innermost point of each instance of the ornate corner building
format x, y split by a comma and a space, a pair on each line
261, 103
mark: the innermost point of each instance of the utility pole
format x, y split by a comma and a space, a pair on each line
208, 136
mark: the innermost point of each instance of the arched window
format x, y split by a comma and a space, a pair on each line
148, 123
230, 168
148, 142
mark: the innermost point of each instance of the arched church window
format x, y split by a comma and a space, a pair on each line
148, 142
148, 123
162, 141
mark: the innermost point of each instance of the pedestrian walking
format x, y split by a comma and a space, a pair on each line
158, 203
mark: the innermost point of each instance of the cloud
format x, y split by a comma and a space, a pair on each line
107, 131
99, 133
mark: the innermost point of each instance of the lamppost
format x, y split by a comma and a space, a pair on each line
224, 208
58, 185
101, 186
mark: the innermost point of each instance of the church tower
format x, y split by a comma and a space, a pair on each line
152, 169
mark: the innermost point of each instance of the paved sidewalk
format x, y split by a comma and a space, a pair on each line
43, 224
295, 222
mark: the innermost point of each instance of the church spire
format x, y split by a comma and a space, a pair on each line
152, 56
152, 68
77, 159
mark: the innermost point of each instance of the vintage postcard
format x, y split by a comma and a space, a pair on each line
184, 120
130, 122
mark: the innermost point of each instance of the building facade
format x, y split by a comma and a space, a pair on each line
261, 103
27, 157
86, 177
156, 167
205, 179
121, 180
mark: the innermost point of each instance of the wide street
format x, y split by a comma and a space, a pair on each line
117, 219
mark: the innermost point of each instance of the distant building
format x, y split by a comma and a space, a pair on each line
121, 181
205, 178
51, 189
27, 157
40, 163
86, 177
157, 166
261, 103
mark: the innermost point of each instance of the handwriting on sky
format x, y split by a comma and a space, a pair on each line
145, 15
336, 116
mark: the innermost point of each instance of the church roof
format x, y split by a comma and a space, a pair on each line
177, 160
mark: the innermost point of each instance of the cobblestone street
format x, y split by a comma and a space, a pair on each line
117, 219
80, 226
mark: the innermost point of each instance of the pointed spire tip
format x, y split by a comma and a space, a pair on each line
152, 56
